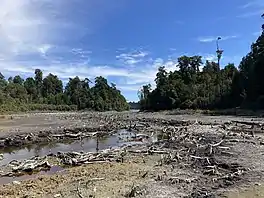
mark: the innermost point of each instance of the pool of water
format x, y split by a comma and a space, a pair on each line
53, 170
121, 138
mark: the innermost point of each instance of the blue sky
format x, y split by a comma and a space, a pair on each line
122, 40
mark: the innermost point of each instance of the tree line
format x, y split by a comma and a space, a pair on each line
190, 87
38, 93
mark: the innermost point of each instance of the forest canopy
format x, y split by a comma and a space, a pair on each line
38, 93
188, 87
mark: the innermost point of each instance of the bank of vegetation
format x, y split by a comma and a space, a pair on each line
44, 94
190, 87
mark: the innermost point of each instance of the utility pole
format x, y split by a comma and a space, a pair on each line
219, 52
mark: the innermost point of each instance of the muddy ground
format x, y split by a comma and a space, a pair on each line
194, 155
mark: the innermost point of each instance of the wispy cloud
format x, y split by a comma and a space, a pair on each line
257, 33
209, 39
43, 49
256, 8
250, 14
253, 3
133, 57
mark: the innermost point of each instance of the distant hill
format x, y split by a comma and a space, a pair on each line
134, 105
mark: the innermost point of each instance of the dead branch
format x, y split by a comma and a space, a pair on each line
78, 191
97, 162
181, 180
230, 175
72, 135
201, 158
217, 144
247, 123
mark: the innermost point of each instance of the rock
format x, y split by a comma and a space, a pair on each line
57, 195
16, 182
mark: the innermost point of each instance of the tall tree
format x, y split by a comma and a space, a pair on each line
31, 88
18, 80
38, 81
52, 85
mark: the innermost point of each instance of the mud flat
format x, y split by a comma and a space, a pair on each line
131, 154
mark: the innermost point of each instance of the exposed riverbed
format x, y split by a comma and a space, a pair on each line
196, 154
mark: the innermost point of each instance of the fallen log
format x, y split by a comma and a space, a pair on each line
72, 135
96, 162
247, 123
148, 151
30, 165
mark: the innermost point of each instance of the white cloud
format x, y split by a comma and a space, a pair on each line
20, 27
79, 51
43, 49
209, 57
34, 26
209, 39
132, 58
129, 87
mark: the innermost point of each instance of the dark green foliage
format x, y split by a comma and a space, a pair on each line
107, 97
211, 88
134, 105
18, 80
31, 88
48, 94
51, 86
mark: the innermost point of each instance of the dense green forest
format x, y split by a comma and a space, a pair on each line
134, 105
211, 88
38, 93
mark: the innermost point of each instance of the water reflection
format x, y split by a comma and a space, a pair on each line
122, 137
53, 169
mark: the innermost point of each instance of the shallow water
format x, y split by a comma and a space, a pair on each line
53, 170
121, 138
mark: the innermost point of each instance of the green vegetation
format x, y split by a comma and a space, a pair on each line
134, 105
17, 94
211, 88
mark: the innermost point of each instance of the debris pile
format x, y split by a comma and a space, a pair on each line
207, 154
19, 168
75, 158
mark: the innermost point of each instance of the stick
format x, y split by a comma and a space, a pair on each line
96, 162
201, 158
78, 191
217, 144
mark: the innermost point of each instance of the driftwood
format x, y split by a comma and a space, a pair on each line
230, 176
79, 191
30, 165
72, 135
201, 158
247, 123
26, 166
174, 180
148, 151
75, 158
